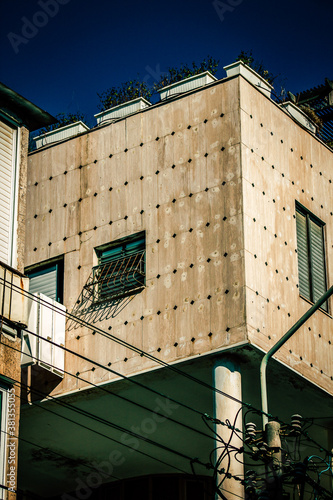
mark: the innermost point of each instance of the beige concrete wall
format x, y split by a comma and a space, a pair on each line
184, 158
282, 164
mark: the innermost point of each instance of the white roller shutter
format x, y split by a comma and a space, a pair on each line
8, 139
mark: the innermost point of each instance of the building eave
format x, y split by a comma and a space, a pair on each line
22, 110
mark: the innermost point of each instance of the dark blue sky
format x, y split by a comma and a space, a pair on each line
81, 47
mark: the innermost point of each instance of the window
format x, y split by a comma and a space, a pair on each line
8, 192
47, 279
121, 269
311, 255
46, 319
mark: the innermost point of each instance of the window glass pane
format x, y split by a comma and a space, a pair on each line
303, 255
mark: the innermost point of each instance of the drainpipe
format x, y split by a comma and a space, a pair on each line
276, 347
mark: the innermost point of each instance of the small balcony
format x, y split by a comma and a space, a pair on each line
13, 298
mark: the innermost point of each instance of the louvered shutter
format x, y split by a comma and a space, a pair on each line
7, 202
44, 281
303, 255
120, 269
317, 255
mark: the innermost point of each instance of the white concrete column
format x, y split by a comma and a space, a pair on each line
227, 378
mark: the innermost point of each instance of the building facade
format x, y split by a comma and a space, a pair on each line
183, 240
17, 116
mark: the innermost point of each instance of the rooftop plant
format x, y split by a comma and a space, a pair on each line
258, 66
174, 74
312, 115
132, 89
63, 120
125, 92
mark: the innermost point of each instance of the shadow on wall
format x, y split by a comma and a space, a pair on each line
85, 310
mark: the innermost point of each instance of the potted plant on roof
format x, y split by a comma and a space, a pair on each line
253, 71
186, 78
68, 125
129, 97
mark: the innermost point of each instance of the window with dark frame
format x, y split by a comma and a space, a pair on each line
121, 269
47, 278
311, 255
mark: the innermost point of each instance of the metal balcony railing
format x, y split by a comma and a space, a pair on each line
117, 278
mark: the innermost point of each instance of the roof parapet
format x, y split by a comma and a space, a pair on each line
61, 133
239, 68
187, 84
122, 110
297, 114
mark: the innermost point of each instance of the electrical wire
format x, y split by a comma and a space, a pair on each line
121, 429
107, 368
303, 432
100, 420
48, 450
222, 456
137, 350
233, 431
141, 352
114, 394
54, 308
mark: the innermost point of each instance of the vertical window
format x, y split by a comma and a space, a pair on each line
8, 191
121, 269
47, 279
311, 255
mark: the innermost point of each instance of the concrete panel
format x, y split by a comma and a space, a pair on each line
133, 130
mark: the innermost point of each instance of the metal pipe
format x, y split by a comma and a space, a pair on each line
276, 347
